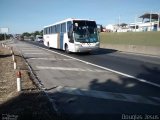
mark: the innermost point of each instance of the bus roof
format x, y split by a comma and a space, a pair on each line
69, 19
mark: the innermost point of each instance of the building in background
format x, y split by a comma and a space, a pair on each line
149, 22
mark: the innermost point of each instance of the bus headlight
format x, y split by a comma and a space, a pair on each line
78, 45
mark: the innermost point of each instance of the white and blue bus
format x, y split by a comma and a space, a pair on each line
72, 35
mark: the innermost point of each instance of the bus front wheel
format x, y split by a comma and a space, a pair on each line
48, 45
66, 48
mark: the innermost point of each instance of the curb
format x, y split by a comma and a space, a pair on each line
134, 49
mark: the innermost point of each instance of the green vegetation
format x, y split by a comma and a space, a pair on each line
131, 38
33, 33
7, 36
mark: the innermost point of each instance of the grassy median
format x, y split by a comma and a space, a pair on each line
131, 38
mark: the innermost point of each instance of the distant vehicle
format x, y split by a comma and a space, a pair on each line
21, 38
39, 38
72, 35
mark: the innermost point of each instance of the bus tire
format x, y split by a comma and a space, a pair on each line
48, 45
66, 49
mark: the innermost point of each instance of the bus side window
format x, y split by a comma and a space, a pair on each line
69, 26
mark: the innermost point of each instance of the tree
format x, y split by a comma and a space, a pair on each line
1, 36
8, 36
36, 33
33, 34
41, 32
26, 34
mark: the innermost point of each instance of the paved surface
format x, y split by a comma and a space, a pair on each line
82, 90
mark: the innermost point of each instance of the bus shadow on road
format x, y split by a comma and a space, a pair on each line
100, 51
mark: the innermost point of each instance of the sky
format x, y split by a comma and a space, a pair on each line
31, 15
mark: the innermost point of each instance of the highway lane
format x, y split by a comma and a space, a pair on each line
102, 59
144, 67
139, 66
80, 88
147, 68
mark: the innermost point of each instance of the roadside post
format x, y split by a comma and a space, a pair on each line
15, 64
13, 57
11, 50
19, 87
2, 45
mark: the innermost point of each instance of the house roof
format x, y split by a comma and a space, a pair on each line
147, 15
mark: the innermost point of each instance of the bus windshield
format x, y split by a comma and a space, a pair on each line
85, 31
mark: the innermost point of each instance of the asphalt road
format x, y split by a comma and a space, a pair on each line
139, 66
83, 88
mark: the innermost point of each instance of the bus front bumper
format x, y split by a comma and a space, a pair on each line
87, 49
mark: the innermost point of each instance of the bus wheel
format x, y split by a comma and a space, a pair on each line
66, 48
48, 45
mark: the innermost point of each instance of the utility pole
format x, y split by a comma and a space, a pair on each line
150, 21
135, 22
4, 36
118, 22
158, 22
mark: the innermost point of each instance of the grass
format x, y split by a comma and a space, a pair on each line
131, 38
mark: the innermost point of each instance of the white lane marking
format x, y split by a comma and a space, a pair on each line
37, 53
50, 59
23, 48
107, 95
104, 68
30, 50
69, 69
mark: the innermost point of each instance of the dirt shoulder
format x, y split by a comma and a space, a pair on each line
31, 103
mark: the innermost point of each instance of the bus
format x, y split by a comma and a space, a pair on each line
72, 35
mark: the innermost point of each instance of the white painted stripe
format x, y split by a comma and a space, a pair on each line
27, 48
107, 95
30, 50
36, 53
69, 69
50, 59
108, 69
